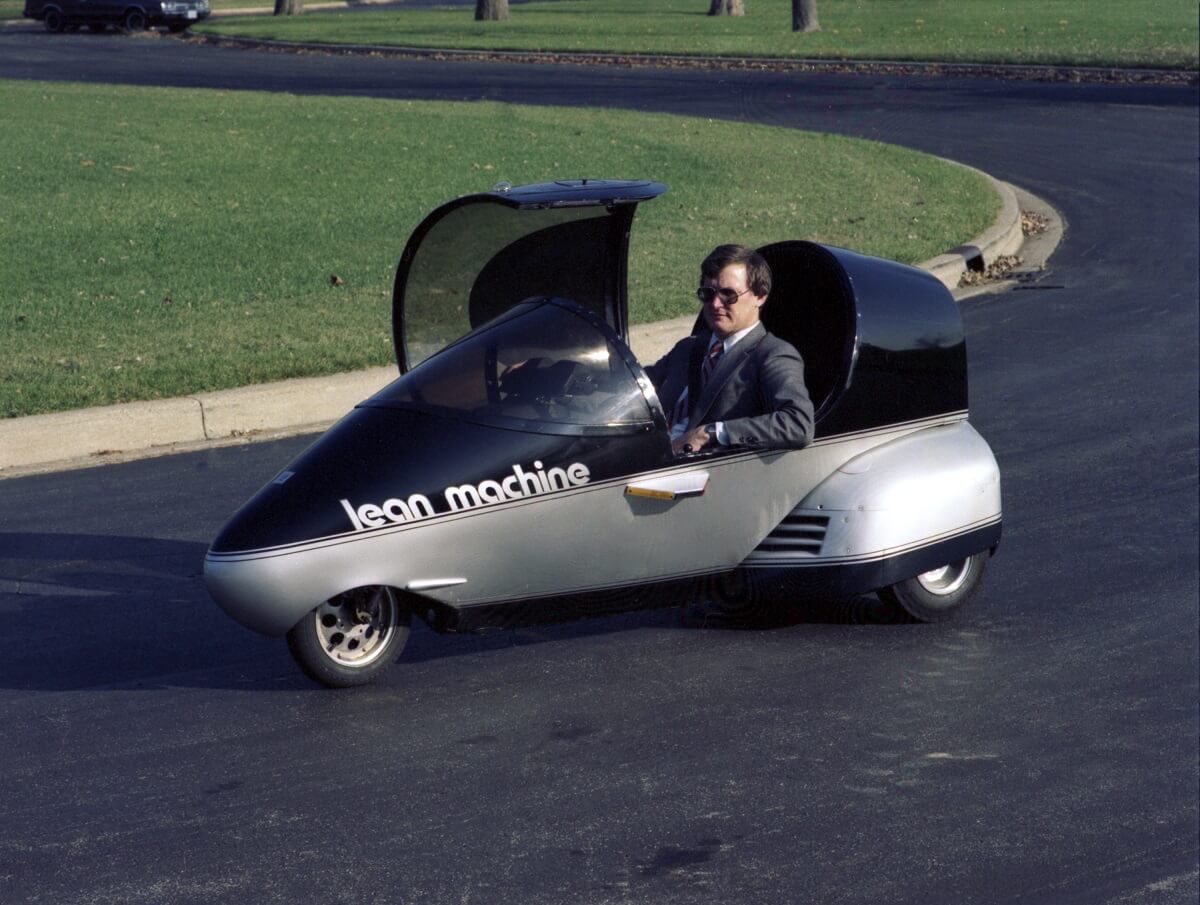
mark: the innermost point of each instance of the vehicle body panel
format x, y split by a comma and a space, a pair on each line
522, 458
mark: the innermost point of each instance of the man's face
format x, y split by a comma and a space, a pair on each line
725, 318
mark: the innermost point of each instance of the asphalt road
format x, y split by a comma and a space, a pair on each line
1041, 749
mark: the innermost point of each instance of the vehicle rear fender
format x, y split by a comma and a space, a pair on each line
922, 489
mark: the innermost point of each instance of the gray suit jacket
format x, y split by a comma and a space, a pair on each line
757, 389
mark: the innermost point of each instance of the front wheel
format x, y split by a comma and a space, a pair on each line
938, 594
55, 21
352, 638
134, 21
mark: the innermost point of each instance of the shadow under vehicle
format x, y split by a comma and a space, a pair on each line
128, 15
520, 469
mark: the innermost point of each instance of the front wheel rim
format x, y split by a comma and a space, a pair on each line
355, 629
947, 579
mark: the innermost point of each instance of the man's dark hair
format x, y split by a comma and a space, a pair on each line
758, 272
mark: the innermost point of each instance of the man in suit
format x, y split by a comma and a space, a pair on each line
734, 384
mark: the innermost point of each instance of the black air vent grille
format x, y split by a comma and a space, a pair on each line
798, 536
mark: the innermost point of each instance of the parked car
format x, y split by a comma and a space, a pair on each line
520, 468
128, 15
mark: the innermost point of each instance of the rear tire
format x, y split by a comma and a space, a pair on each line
134, 21
937, 595
55, 21
351, 639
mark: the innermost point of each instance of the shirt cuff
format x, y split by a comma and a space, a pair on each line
722, 434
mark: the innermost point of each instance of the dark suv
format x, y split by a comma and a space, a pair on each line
129, 15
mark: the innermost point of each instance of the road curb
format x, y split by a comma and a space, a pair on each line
115, 433
1003, 237
1007, 71
1032, 72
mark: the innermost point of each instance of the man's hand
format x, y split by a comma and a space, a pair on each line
697, 439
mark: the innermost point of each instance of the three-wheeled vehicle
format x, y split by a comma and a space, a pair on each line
520, 468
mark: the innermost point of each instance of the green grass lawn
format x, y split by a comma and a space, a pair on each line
166, 241
1156, 33
237, 4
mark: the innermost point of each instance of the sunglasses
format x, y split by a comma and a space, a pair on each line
728, 296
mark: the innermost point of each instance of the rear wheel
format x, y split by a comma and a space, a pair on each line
135, 20
351, 639
55, 21
938, 594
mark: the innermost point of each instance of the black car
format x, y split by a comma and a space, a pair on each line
129, 15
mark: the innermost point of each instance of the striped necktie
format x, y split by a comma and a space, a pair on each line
680, 409
710, 361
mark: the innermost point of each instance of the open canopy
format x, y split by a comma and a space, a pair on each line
882, 342
474, 258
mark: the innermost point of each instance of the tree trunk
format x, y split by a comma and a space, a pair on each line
727, 8
804, 15
491, 10
289, 7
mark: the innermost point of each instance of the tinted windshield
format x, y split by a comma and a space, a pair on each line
543, 365
480, 259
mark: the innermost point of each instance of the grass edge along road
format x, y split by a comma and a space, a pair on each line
193, 240
1156, 33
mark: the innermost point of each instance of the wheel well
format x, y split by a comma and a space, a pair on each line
437, 615
441, 617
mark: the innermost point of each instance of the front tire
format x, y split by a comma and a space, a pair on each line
134, 21
55, 21
351, 639
937, 595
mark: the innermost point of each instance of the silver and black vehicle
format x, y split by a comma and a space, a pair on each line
520, 468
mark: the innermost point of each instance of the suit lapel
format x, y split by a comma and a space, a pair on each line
725, 369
